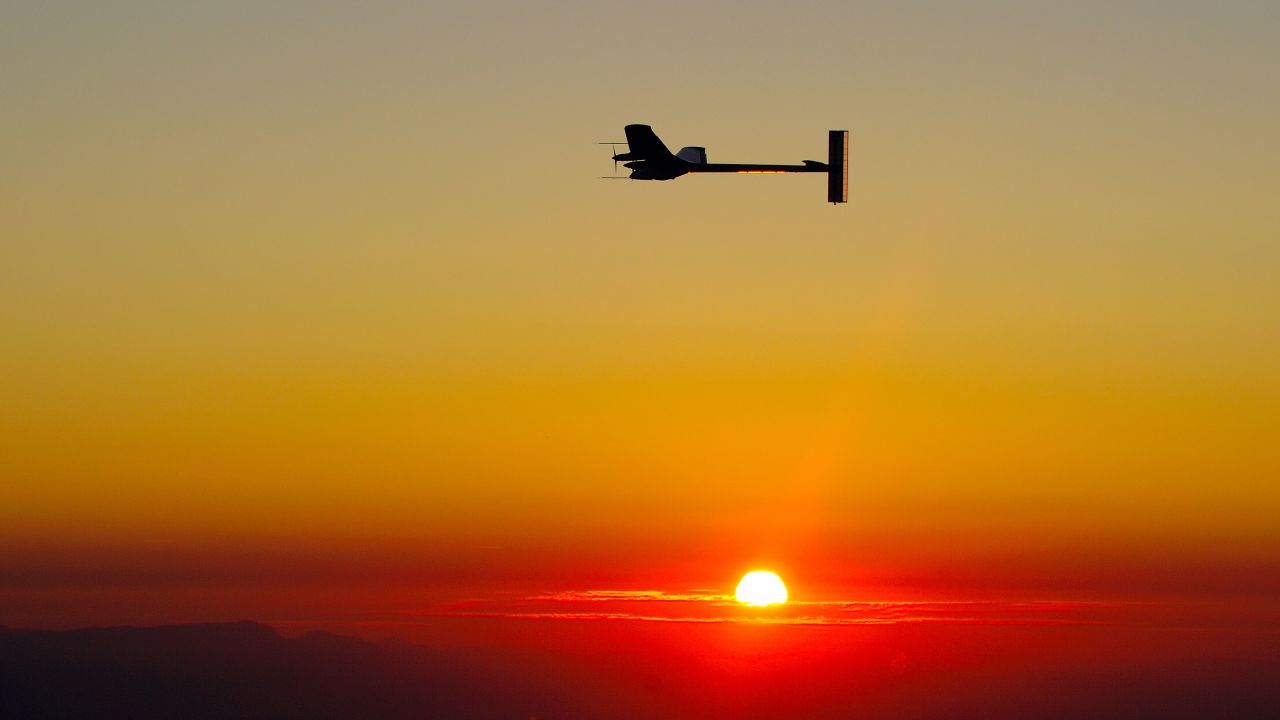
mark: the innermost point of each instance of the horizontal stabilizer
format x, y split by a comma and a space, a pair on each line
838, 166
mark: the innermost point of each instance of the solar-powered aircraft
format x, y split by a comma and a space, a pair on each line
649, 159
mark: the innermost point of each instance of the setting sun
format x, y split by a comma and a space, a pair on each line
760, 588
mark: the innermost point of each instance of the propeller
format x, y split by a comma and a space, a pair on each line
613, 146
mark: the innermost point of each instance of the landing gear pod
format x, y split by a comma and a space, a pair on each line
838, 166
695, 155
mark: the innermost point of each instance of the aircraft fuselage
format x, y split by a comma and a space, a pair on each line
649, 159
672, 168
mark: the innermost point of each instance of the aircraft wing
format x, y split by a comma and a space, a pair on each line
643, 143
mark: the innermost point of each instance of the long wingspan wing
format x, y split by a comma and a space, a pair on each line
643, 144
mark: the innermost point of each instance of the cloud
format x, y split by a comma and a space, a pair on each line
644, 605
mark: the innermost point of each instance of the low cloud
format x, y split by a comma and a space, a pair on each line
645, 605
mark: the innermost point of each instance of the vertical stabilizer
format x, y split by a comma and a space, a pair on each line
838, 166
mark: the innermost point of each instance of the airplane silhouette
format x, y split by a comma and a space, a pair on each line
648, 159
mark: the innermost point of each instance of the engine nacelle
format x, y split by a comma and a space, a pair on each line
695, 155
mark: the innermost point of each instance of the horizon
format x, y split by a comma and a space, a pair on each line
319, 316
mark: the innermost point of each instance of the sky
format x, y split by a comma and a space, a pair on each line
322, 295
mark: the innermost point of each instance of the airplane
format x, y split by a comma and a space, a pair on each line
648, 159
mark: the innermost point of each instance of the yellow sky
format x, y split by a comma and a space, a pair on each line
332, 274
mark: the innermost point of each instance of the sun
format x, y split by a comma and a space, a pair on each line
760, 588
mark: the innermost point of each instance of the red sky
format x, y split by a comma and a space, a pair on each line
317, 315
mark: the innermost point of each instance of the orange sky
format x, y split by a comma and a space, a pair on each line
319, 295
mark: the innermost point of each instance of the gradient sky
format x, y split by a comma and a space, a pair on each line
322, 290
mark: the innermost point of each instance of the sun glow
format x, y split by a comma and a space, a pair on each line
760, 588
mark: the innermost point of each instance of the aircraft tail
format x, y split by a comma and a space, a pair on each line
838, 166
